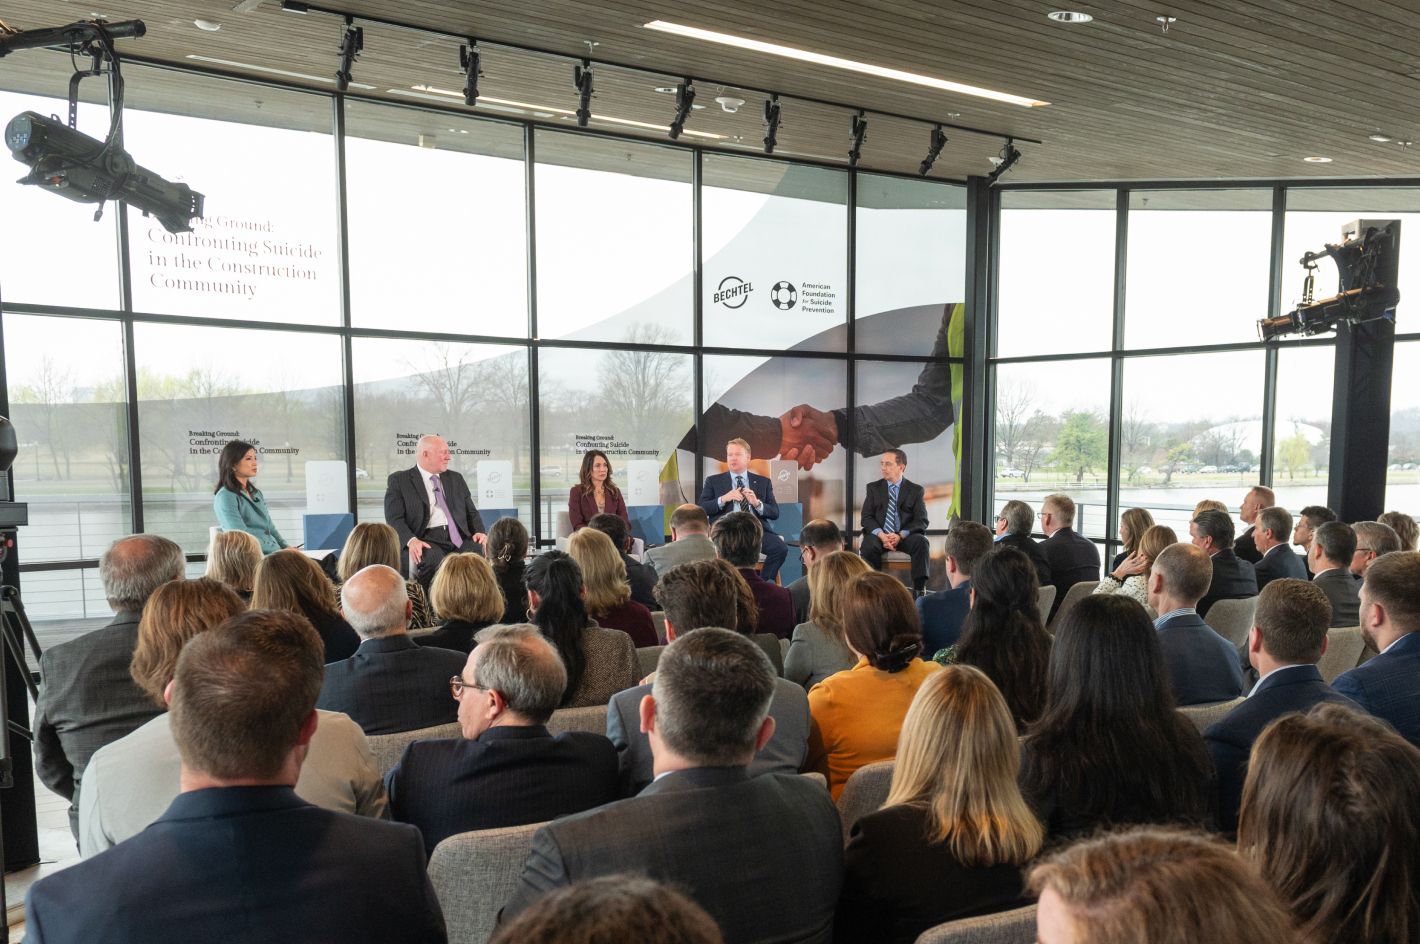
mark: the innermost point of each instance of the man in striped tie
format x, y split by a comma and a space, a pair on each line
894, 518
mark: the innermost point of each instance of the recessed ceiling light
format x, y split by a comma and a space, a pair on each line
1317, 160
836, 62
1069, 16
207, 25
1380, 138
666, 89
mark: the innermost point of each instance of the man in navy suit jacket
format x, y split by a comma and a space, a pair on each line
238, 857
506, 770
391, 683
1233, 578
1287, 638
943, 613
1278, 561
1388, 686
741, 490
894, 518
1203, 666
1073, 558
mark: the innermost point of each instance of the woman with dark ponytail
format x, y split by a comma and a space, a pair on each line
857, 713
600, 662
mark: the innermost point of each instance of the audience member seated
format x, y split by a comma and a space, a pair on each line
1209, 504
507, 552
857, 713
1308, 520
232, 559
894, 518
374, 542
600, 662
1110, 749
1287, 638
86, 697
641, 577
1405, 528
1005, 636
238, 855
763, 855
595, 493
1202, 666
390, 684
465, 594
1388, 686
690, 541
1232, 577
943, 612
1333, 547
818, 648
1272, 538
1013, 529
613, 909
819, 538
695, 596
737, 539
131, 782
1133, 522
506, 769
1257, 498
954, 833
1130, 576
1329, 820
1073, 558
291, 581
1373, 539
608, 594
1155, 886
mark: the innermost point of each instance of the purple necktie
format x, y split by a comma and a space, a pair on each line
454, 536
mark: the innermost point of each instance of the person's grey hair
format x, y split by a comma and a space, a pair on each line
424, 442
1277, 521
1379, 537
712, 691
375, 601
518, 662
134, 566
1218, 526
1020, 517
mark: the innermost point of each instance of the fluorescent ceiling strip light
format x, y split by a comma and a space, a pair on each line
526, 106
269, 71
834, 62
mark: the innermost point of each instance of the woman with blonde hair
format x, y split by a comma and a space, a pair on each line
608, 591
1404, 527
1132, 525
374, 542
955, 831
1130, 577
818, 648
232, 560
291, 581
466, 595
1209, 504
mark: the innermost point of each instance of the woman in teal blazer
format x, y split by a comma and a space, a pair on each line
237, 502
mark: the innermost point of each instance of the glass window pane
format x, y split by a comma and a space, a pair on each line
1056, 274
614, 241
775, 251
1171, 234
474, 395
200, 387
911, 254
1052, 436
437, 212
67, 404
63, 595
1302, 439
266, 249
1403, 470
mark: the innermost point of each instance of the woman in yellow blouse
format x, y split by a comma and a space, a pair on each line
857, 713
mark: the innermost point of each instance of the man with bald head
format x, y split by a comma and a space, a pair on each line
1203, 666
1258, 498
432, 510
390, 684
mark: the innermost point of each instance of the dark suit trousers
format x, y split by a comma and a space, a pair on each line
440, 547
914, 545
774, 551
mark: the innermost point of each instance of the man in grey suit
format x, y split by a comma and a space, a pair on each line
86, 697
697, 595
818, 539
690, 540
432, 510
762, 855
1329, 560
1277, 560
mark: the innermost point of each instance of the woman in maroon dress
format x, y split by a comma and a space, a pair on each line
595, 492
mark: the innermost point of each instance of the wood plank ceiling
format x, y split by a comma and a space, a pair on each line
1230, 90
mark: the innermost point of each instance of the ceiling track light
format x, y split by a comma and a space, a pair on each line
582, 79
351, 45
684, 99
470, 63
771, 124
934, 150
860, 134
1009, 156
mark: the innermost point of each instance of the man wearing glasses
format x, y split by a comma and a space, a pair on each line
1373, 539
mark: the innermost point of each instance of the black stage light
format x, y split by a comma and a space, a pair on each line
582, 78
1009, 156
684, 99
470, 63
860, 134
934, 150
771, 124
351, 45
1367, 267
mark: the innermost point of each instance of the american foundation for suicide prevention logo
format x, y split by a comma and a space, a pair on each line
784, 295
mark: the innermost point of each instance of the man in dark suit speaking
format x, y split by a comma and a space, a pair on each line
432, 510
894, 518
739, 489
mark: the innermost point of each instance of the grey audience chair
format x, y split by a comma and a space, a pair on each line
1006, 927
1204, 715
591, 719
474, 874
658, 619
1047, 597
1232, 618
647, 658
1075, 594
816, 777
389, 748
864, 793
1344, 646
784, 650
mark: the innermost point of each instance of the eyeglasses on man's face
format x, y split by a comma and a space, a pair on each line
457, 686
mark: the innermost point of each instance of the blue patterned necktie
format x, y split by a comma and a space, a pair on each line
740, 483
890, 519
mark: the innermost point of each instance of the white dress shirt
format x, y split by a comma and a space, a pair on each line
437, 518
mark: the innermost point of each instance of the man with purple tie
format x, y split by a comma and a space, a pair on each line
432, 510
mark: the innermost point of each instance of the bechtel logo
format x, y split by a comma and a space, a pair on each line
733, 292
